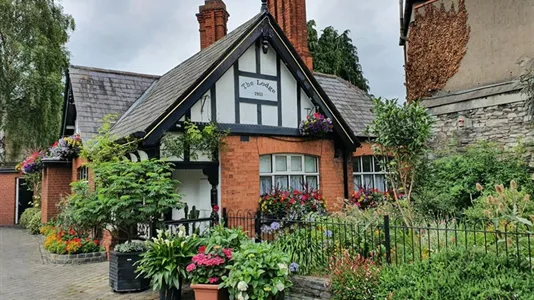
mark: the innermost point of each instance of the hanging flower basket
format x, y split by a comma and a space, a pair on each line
316, 125
66, 148
32, 164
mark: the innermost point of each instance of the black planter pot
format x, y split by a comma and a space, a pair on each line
122, 276
171, 293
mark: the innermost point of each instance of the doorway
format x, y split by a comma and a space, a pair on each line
24, 198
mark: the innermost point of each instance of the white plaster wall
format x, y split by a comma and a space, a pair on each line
201, 110
305, 105
269, 115
226, 98
248, 113
247, 62
195, 189
289, 98
268, 62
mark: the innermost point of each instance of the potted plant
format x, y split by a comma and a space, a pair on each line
206, 271
165, 261
259, 271
130, 193
122, 275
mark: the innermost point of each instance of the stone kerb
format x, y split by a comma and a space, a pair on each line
309, 288
81, 258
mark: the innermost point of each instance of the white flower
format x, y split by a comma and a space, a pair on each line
240, 296
181, 231
242, 286
283, 268
280, 286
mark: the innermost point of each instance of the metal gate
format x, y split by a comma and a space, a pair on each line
24, 198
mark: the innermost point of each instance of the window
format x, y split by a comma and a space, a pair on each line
368, 173
285, 171
83, 173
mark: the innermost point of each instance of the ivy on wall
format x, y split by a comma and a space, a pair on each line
437, 44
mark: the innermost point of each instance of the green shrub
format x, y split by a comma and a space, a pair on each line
27, 215
457, 274
259, 272
448, 185
224, 237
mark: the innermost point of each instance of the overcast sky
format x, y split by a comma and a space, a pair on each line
153, 36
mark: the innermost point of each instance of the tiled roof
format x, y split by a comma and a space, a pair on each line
99, 92
353, 104
175, 83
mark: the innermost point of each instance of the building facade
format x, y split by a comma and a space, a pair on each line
257, 81
463, 58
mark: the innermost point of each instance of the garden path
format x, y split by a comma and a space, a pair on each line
24, 275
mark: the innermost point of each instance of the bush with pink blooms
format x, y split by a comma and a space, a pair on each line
208, 267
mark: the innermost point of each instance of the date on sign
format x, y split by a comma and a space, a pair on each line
260, 94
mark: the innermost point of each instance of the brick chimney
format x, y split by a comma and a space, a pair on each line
291, 16
213, 20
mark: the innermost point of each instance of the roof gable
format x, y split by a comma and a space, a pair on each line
99, 92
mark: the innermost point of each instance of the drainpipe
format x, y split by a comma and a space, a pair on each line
345, 175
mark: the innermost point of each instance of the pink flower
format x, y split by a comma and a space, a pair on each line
213, 279
227, 253
191, 267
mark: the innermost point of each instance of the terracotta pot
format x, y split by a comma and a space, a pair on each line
209, 292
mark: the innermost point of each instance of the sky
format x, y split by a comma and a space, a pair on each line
153, 36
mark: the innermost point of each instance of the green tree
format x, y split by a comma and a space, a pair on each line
33, 34
334, 53
402, 133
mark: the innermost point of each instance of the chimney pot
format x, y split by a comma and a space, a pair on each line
213, 21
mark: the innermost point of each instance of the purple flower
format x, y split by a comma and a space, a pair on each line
328, 233
275, 226
293, 267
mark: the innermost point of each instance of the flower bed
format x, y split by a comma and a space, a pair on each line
69, 242
365, 198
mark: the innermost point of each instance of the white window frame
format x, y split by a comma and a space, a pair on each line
373, 172
83, 173
288, 171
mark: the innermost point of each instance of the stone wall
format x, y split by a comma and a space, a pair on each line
507, 124
309, 288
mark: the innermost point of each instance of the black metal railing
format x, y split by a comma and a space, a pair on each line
386, 239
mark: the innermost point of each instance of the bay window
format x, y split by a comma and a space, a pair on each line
288, 171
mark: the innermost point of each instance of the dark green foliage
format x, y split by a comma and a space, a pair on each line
448, 185
457, 274
33, 57
334, 53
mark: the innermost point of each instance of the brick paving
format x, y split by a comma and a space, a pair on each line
24, 274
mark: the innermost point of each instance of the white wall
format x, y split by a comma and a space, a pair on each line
268, 62
289, 98
201, 110
247, 62
306, 106
195, 189
226, 98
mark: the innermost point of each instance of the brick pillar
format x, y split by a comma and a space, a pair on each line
213, 19
291, 16
57, 176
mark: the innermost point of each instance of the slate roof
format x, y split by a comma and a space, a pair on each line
99, 92
176, 82
353, 104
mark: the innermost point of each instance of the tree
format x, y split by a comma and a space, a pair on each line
402, 133
334, 53
33, 56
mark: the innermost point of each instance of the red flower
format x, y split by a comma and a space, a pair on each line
216, 208
202, 249
96, 242
227, 253
213, 279
72, 232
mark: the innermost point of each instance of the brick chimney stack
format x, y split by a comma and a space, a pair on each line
213, 20
291, 16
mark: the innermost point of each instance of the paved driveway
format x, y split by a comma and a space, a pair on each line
23, 275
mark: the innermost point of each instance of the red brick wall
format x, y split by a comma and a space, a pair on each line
240, 167
7, 198
213, 19
56, 184
291, 16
